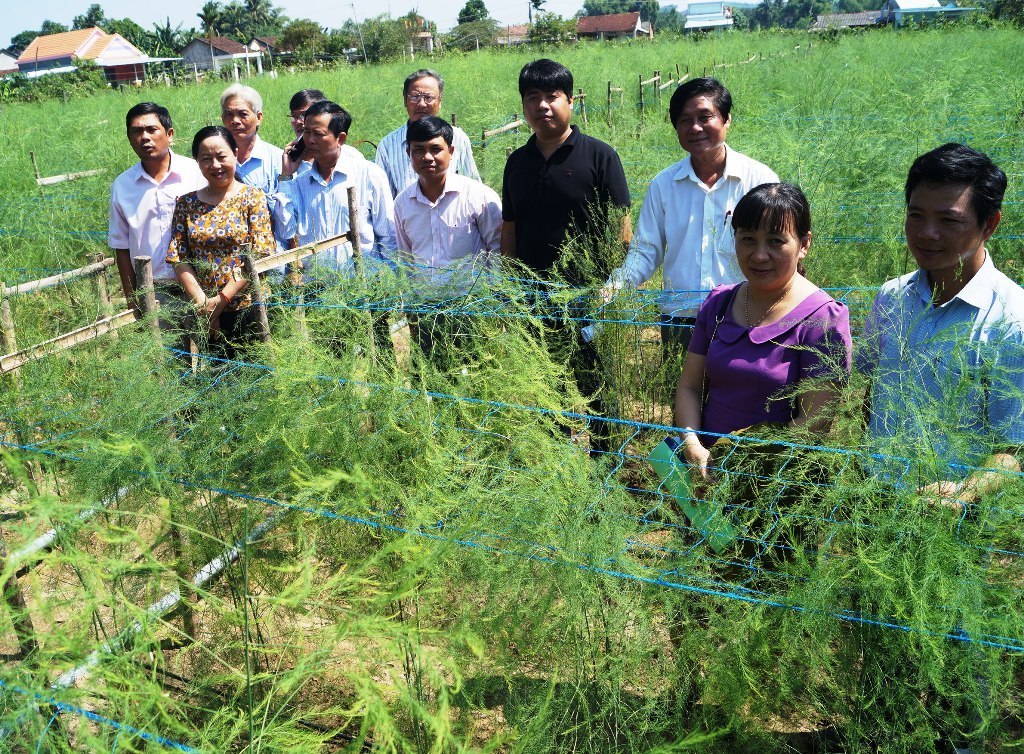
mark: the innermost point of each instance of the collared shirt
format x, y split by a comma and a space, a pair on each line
262, 168
946, 380
141, 211
313, 209
394, 160
465, 221
686, 225
568, 194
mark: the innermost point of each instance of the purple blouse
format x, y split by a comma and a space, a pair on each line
747, 368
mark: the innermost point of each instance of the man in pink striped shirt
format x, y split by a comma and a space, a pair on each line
448, 228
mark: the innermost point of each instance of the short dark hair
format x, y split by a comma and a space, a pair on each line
305, 97
779, 207
959, 164
546, 76
704, 87
429, 127
422, 73
149, 108
341, 121
206, 132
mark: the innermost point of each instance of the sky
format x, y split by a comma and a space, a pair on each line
19, 15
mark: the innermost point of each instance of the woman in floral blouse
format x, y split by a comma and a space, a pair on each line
211, 230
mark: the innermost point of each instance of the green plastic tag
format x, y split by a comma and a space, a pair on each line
675, 479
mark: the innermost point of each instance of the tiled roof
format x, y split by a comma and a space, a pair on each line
96, 48
230, 46
609, 24
846, 20
60, 45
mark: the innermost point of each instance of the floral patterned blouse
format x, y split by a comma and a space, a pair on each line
213, 238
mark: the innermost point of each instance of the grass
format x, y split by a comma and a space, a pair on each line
451, 571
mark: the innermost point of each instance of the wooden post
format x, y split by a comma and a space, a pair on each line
35, 168
20, 617
455, 120
357, 258
640, 78
102, 292
10, 344
678, 77
256, 294
353, 230
145, 294
608, 112
583, 106
657, 86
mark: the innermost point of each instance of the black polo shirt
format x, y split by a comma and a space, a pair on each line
564, 196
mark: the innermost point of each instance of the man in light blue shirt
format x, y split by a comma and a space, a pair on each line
422, 93
313, 205
944, 345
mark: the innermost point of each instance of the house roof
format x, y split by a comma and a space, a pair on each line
82, 44
516, 31
609, 24
63, 45
915, 4
223, 44
846, 20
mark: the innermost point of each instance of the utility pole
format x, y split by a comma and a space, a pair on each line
360, 27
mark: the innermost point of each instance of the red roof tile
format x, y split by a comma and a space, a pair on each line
612, 23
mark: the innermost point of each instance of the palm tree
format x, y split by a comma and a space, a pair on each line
167, 37
210, 16
259, 12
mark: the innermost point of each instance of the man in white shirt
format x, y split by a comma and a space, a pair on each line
422, 91
684, 223
313, 205
448, 229
142, 202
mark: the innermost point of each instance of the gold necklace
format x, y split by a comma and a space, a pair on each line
746, 306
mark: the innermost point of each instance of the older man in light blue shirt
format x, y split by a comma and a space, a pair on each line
422, 92
944, 345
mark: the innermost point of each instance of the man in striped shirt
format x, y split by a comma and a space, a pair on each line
423, 90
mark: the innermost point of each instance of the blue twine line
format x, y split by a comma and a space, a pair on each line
97, 718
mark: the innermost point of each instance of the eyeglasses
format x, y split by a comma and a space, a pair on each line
426, 99
297, 118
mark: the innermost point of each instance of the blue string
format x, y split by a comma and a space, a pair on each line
96, 718
42, 736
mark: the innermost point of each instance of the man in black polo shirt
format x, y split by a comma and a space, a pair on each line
563, 185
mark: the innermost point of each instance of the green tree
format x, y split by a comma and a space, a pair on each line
670, 20
51, 27
648, 9
21, 40
1009, 10
168, 39
473, 10
552, 28
535, 5
210, 18
473, 35
385, 38
131, 31
92, 17
303, 35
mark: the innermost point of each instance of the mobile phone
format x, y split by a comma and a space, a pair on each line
297, 149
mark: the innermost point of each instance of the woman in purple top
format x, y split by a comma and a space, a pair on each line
756, 340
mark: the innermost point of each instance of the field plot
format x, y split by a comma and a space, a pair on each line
309, 549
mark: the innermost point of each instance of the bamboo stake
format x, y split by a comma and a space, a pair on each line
63, 277
14, 361
357, 258
146, 295
102, 292
256, 294
20, 616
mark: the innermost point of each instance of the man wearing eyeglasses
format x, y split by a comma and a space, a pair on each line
423, 90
